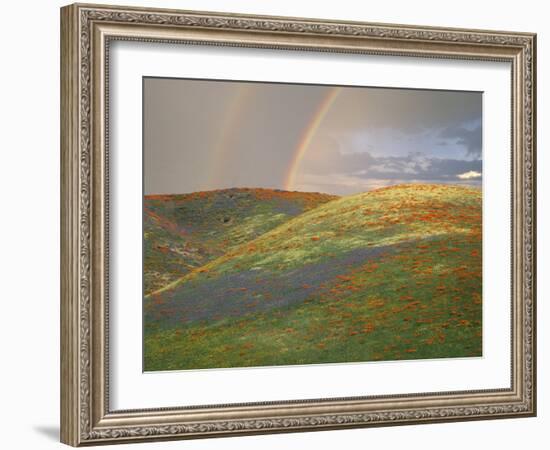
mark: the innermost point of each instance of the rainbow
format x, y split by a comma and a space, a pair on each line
308, 135
228, 131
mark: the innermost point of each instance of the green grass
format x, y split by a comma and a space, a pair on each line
419, 297
184, 232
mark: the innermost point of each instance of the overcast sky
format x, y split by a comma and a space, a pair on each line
204, 135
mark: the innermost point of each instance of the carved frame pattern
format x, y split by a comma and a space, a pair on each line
86, 418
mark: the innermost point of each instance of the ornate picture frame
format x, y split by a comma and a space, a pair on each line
87, 31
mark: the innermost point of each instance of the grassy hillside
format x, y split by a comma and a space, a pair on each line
183, 232
389, 274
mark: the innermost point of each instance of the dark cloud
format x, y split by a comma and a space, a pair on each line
407, 110
328, 158
202, 135
414, 166
419, 167
470, 139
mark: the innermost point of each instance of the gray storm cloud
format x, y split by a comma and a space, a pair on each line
470, 139
203, 135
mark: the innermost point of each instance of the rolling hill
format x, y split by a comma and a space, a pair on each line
393, 273
183, 232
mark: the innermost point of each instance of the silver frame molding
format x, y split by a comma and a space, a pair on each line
86, 32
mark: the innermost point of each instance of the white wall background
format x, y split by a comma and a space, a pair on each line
29, 225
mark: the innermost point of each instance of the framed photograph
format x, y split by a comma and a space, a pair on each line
275, 224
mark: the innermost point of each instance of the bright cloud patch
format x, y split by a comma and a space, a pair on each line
469, 175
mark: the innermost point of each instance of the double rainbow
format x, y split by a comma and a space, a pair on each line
229, 129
